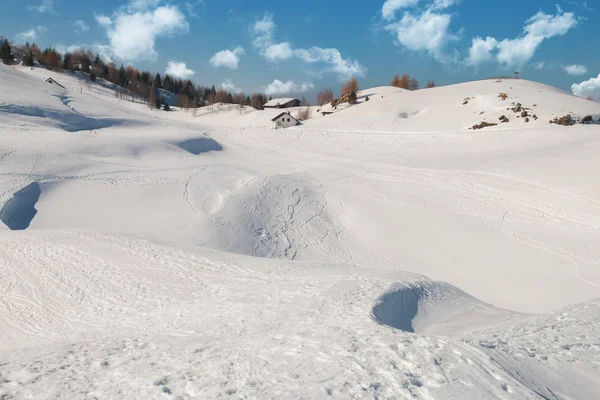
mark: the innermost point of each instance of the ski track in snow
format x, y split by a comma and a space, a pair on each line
360, 255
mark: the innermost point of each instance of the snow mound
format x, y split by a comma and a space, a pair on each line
269, 217
19, 211
429, 307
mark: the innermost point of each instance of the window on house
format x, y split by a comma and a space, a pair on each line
288, 120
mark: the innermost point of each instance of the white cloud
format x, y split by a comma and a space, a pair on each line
519, 51
278, 52
575, 70
539, 65
26, 36
442, 4
389, 8
227, 58
590, 88
338, 65
278, 87
103, 20
263, 31
44, 6
144, 4
178, 69
31, 34
62, 49
81, 26
132, 35
428, 31
481, 50
228, 86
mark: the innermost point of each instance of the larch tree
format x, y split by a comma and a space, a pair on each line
395, 81
350, 87
324, 96
430, 84
403, 83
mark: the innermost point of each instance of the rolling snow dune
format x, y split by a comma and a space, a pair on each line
382, 251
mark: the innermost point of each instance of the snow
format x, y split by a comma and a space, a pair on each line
382, 251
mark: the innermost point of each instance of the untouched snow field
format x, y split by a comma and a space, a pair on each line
383, 251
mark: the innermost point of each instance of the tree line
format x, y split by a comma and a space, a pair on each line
143, 86
135, 85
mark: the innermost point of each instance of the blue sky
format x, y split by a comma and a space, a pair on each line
301, 47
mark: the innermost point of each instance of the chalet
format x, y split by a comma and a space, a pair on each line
284, 120
54, 82
283, 103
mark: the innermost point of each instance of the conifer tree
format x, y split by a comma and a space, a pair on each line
6, 52
157, 82
28, 59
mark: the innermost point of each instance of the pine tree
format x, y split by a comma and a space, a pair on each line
85, 65
66, 61
157, 82
28, 59
6, 52
97, 60
122, 77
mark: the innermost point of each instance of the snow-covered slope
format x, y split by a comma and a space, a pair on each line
148, 254
441, 109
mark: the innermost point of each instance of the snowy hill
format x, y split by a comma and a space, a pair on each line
456, 108
382, 251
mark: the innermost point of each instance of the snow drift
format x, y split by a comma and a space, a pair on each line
427, 307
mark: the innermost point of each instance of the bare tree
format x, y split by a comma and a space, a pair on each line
304, 114
413, 84
395, 81
258, 100
350, 87
222, 96
325, 96
152, 99
430, 84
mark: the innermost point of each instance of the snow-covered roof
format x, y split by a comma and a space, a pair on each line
284, 113
52, 80
281, 101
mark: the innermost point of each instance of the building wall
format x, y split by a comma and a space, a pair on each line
284, 122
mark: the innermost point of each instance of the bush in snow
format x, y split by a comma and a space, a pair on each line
352, 98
